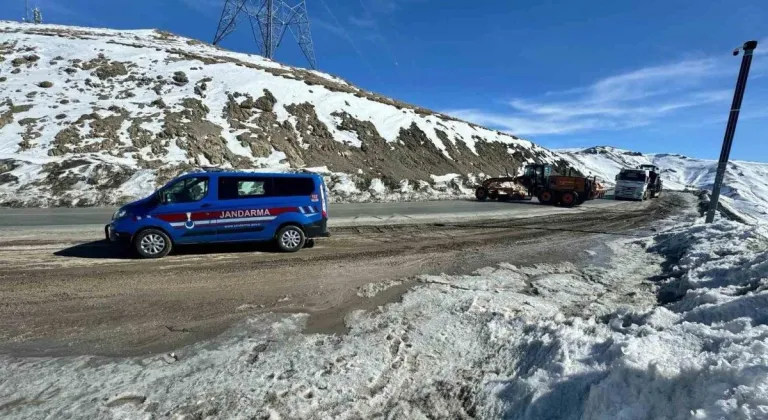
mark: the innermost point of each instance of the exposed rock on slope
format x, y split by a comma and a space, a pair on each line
123, 111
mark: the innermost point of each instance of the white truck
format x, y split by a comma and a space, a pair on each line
632, 184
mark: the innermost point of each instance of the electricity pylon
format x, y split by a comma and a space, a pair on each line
269, 19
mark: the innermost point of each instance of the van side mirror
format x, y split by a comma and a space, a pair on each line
162, 197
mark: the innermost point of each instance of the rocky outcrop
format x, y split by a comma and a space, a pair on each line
102, 67
141, 137
180, 78
307, 121
6, 166
201, 138
6, 118
267, 102
65, 141
27, 60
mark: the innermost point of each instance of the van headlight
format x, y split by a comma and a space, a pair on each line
119, 213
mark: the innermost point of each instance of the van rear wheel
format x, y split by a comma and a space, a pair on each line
290, 238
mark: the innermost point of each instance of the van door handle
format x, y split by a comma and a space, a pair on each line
206, 205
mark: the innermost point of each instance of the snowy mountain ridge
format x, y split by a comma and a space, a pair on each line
99, 116
744, 187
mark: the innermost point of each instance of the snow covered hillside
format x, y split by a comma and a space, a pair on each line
745, 187
674, 327
99, 116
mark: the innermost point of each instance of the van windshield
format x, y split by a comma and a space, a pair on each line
632, 176
186, 190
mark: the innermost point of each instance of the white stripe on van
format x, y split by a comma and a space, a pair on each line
224, 221
242, 219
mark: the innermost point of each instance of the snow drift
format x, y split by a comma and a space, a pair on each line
744, 188
550, 341
100, 116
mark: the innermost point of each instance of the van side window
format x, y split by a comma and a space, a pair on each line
186, 190
287, 186
232, 188
250, 188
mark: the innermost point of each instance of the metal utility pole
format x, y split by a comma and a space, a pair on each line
272, 18
37, 15
730, 129
269, 28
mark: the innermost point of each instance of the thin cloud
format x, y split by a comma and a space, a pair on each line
388, 6
762, 47
362, 22
761, 113
330, 27
204, 6
382, 6
628, 100
527, 126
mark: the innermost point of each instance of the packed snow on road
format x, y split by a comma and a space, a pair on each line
671, 326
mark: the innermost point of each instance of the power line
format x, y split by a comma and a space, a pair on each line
379, 34
349, 39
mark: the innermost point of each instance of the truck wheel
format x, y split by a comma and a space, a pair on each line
546, 197
569, 198
481, 194
152, 243
290, 238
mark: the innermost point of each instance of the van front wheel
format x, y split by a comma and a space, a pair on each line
290, 239
152, 243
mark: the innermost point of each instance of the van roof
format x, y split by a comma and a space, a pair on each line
272, 174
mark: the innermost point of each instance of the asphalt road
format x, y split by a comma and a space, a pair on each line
12, 217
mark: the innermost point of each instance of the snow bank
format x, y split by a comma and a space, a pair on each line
702, 355
429, 356
357, 188
705, 353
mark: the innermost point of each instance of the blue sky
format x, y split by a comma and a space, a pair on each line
651, 75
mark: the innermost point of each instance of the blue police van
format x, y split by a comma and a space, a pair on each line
216, 206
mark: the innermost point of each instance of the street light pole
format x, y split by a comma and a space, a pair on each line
730, 129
